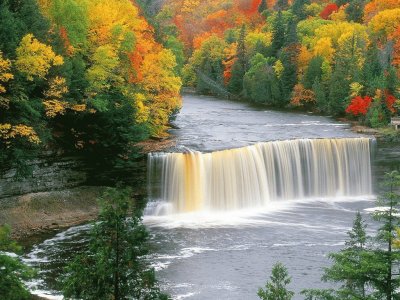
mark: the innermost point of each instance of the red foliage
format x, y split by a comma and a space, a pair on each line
359, 106
390, 101
328, 10
248, 7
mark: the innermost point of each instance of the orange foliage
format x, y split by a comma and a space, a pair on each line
69, 49
302, 97
396, 48
375, 6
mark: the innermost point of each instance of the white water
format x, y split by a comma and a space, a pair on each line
253, 176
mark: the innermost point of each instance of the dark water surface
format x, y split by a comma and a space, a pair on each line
230, 255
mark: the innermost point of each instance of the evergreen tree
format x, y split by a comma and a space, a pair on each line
12, 271
281, 5
313, 72
355, 11
276, 289
112, 267
278, 34
353, 265
387, 283
298, 9
263, 6
320, 96
235, 85
338, 90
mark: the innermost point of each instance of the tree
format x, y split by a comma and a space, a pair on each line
281, 5
263, 6
276, 289
353, 266
355, 11
34, 59
298, 9
313, 72
239, 67
278, 34
112, 267
12, 270
388, 283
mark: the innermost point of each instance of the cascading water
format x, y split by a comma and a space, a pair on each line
252, 176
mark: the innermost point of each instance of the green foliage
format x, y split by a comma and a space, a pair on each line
261, 84
313, 72
12, 270
355, 11
276, 288
263, 6
112, 267
366, 267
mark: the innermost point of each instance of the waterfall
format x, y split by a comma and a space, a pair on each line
254, 175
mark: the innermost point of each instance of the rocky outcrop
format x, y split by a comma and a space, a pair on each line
49, 173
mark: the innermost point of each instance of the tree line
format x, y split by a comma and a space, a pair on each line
81, 77
337, 58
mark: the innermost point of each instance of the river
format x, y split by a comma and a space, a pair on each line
228, 253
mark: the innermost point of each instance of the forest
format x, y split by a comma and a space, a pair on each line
94, 78
88, 77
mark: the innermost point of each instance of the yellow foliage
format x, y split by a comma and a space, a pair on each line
5, 75
386, 22
304, 58
189, 6
324, 48
142, 111
57, 88
8, 132
278, 68
34, 59
54, 108
106, 16
339, 15
78, 107
252, 38
335, 30
103, 73
162, 87
356, 89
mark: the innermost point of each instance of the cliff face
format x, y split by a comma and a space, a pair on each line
61, 192
48, 174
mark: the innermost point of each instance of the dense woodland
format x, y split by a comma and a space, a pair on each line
95, 77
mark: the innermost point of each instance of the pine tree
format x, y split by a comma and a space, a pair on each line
112, 267
281, 5
352, 265
298, 9
278, 34
263, 6
388, 283
276, 289
355, 11
313, 72
320, 96
239, 67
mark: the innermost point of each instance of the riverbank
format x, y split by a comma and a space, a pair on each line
41, 213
